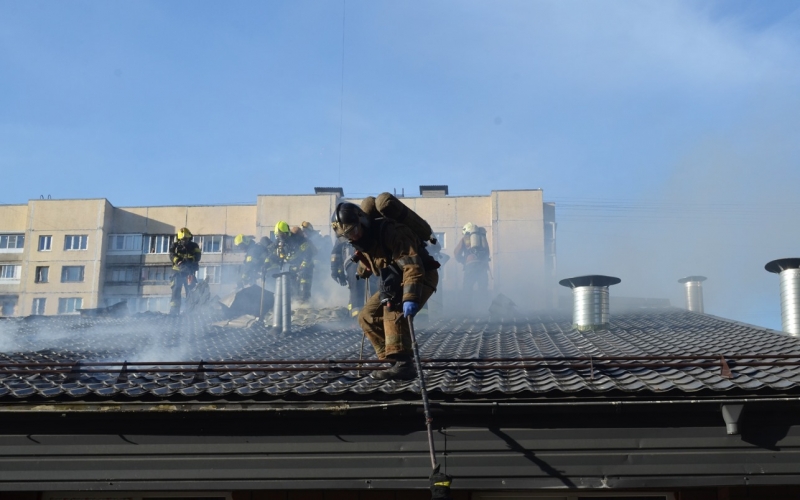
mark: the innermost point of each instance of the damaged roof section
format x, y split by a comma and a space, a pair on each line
646, 354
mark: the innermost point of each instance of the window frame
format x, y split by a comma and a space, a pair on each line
149, 269
17, 248
49, 239
64, 271
77, 305
135, 274
152, 243
135, 248
202, 274
35, 306
201, 242
16, 273
39, 271
83, 242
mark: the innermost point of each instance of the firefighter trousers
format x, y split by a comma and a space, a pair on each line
387, 335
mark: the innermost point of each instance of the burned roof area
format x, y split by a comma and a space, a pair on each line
648, 354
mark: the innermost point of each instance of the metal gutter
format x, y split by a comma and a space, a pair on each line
344, 406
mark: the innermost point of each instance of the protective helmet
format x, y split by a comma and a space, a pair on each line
469, 227
184, 233
241, 239
281, 229
307, 226
346, 217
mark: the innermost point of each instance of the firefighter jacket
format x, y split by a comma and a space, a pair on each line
255, 259
388, 243
296, 251
185, 256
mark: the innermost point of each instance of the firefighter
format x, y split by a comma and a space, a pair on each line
408, 277
473, 254
255, 258
343, 271
185, 255
294, 249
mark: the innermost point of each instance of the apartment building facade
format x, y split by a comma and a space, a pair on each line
60, 256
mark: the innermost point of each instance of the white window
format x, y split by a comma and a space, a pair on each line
122, 274
10, 274
130, 244
210, 243
211, 274
69, 305
38, 306
11, 243
45, 242
71, 274
158, 243
156, 273
440, 237
42, 274
75, 242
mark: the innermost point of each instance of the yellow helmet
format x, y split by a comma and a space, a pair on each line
306, 226
282, 229
184, 233
242, 239
469, 227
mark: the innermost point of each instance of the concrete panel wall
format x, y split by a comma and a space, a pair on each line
295, 209
518, 247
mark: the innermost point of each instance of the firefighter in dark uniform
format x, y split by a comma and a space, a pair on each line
294, 249
185, 255
408, 277
256, 257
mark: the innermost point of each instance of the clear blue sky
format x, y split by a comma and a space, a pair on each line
668, 132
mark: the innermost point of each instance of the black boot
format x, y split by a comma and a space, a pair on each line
402, 369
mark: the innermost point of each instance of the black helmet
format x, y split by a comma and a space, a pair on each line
346, 217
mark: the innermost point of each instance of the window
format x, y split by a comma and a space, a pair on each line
125, 243
69, 305
38, 306
10, 274
441, 239
8, 303
156, 273
120, 274
42, 274
45, 242
71, 274
142, 304
211, 274
75, 242
158, 243
210, 244
11, 243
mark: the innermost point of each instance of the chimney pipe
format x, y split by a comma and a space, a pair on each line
694, 292
789, 270
590, 307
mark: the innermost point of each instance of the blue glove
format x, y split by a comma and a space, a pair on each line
410, 308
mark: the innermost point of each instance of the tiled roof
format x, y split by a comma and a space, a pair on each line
153, 337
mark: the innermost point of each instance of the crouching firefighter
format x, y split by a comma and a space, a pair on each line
408, 277
185, 255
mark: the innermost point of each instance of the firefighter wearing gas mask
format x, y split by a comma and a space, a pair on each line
185, 255
408, 277
294, 250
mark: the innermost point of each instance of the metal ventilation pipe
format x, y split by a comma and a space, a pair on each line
789, 270
694, 292
277, 307
590, 306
